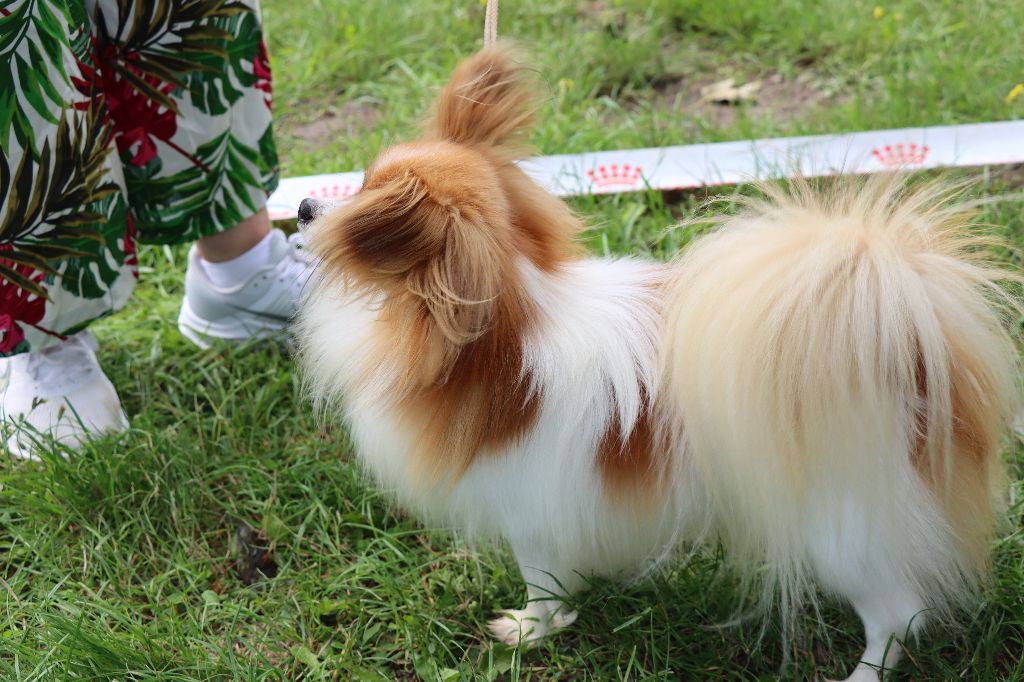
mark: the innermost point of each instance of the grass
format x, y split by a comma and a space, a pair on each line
124, 561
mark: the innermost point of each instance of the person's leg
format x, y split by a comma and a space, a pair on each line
199, 160
193, 121
67, 254
233, 242
253, 294
191, 125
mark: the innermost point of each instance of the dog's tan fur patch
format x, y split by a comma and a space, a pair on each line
633, 465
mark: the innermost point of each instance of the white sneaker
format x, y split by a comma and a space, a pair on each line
261, 306
58, 391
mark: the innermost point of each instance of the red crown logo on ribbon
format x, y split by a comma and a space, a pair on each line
333, 192
892, 155
615, 175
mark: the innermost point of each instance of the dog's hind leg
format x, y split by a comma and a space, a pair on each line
890, 616
875, 565
853, 563
545, 611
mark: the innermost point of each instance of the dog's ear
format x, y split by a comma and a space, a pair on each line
489, 101
431, 257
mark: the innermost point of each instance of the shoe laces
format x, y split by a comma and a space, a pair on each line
297, 263
298, 251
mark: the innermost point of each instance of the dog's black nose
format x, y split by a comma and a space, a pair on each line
307, 210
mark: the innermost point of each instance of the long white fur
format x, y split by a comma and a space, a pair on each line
790, 360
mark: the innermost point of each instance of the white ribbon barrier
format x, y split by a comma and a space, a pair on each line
722, 163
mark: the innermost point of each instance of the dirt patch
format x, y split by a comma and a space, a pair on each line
344, 121
786, 99
1012, 175
599, 14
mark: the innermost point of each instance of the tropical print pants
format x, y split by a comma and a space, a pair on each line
120, 121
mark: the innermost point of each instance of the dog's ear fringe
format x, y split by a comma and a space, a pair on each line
398, 239
489, 101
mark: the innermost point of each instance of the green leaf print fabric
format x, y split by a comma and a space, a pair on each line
120, 120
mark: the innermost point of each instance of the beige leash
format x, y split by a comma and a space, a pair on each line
491, 23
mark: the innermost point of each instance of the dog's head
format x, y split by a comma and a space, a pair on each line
441, 223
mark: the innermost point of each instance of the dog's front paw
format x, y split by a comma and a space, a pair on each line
862, 673
517, 627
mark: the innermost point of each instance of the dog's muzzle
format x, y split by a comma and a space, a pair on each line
311, 209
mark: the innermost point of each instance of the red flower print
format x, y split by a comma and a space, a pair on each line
18, 306
261, 69
136, 119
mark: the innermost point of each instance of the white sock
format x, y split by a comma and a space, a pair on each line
231, 273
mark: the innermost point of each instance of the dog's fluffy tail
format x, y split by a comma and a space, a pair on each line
489, 101
840, 367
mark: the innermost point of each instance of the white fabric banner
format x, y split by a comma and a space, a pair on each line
722, 163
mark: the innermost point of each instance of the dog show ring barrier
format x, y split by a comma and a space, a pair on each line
726, 163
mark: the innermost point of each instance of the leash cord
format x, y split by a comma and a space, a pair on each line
491, 23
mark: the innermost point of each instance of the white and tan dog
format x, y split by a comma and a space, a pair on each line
822, 382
